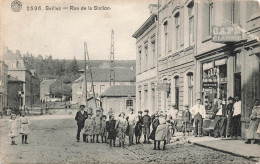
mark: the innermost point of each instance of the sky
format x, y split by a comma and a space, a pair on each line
62, 33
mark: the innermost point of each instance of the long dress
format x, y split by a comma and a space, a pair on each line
24, 122
254, 123
97, 125
13, 128
121, 126
162, 132
88, 126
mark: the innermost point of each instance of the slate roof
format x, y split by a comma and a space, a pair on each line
48, 82
119, 91
9, 57
103, 75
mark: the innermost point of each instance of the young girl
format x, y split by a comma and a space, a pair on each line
88, 128
13, 129
24, 127
97, 126
162, 132
103, 129
111, 130
155, 124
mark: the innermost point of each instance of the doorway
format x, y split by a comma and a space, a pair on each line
237, 86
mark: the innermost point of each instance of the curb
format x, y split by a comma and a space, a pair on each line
251, 158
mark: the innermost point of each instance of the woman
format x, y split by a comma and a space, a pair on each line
155, 124
254, 123
162, 132
121, 125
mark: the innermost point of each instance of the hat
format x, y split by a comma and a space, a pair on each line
131, 109
156, 115
82, 105
146, 110
230, 98
140, 112
89, 114
97, 110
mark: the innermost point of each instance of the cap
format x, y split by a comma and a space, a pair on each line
140, 112
230, 98
146, 110
82, 105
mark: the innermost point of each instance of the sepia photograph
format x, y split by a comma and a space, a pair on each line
129, 81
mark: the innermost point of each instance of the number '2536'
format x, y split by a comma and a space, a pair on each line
33, 8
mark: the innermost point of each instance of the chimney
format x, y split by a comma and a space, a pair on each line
153, 8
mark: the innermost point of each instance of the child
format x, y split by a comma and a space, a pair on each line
88, 128
103, 129
97, 126
162, 132
186, 121
24, 127
138, 127
146, 126
111, 130
13, 129
155, 124
121, 125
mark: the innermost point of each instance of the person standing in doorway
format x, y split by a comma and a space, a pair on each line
198, 113
236, 118
220, 120
80, 118
229, 117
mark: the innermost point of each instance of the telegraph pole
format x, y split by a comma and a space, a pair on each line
112, 64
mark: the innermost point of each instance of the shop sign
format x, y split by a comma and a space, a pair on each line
210, 84
163, 87
226, 34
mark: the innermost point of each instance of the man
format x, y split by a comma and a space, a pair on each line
198, 113
132, 122
220, 120
80, 118
236, 118
229, 110
146, 126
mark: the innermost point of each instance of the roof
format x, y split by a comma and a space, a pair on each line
48, 81
9, 57
103, 75
145, 26
106, 63
93, 98
13, 79
119, 91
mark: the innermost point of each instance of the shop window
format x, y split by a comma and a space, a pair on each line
129, 103
214, 81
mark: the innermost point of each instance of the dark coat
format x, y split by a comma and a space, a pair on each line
111, 129
147, 121
80, 118
138, 126
154, 125
187, 116
229, 110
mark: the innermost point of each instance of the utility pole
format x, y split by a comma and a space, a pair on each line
94, 95
112, 64
85, 75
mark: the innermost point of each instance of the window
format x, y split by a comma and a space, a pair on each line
177, 81
208, 18
191, 22
146, 57
140, 59
153, 53
177, 30
129, 103
102, 88
232, 12
165, 25
190, 88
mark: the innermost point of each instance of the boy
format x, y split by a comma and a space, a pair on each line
111, 130
138, 127
186, 121
146, 126
103, 129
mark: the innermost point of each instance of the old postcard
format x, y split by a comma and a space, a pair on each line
129, 81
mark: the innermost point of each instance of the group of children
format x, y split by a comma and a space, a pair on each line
19, 126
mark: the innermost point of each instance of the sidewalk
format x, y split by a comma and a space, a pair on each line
234, 147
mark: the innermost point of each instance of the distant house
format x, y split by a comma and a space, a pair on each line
120, 98
124, 75
17, 69
48, 88
15, 92
3, 85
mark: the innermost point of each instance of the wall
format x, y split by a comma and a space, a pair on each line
13, 98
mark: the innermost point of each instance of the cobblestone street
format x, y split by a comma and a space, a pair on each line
53, 141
